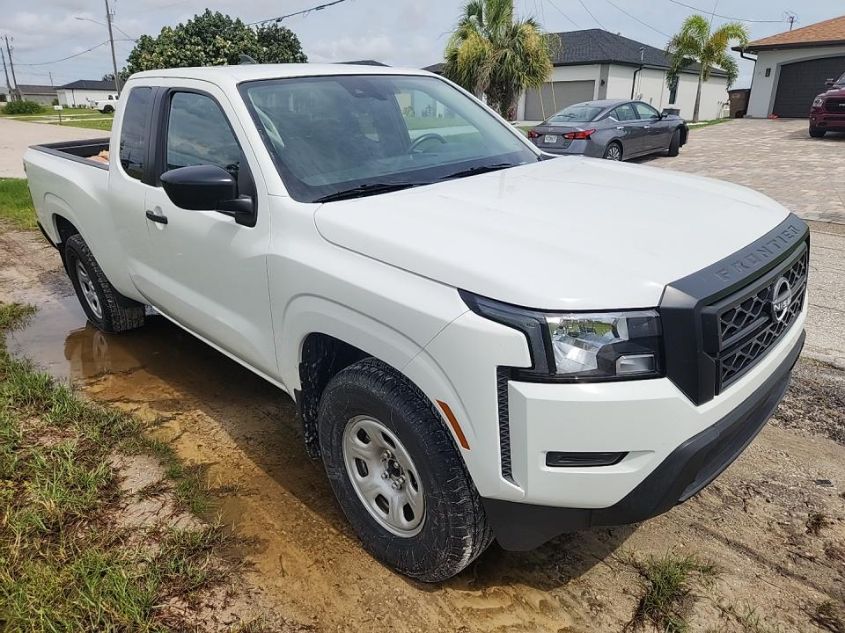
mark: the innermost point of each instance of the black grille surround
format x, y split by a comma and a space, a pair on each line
719, 322
745, 323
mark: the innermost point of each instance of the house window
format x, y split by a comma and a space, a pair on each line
673, 90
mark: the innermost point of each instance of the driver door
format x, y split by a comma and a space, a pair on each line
205, 271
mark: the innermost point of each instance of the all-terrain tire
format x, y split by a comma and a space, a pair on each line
118, 313
454, 531
675, 144
816, 132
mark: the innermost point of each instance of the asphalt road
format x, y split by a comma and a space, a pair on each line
16, 136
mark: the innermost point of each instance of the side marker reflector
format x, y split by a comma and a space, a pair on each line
453, 421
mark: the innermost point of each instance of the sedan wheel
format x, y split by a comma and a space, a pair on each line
613, 152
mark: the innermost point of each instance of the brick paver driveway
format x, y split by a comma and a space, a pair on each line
776, 157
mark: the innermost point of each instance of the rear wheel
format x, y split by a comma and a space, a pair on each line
106, 308
675, 144
397, 474
613, 151
816, 132
108, 109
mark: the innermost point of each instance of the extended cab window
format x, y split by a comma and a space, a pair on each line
199, 134
134, 131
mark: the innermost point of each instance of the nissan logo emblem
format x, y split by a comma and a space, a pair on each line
781, 298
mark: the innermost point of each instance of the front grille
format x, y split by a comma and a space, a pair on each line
740, 329
835, 104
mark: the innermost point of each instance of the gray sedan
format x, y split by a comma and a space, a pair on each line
613, 129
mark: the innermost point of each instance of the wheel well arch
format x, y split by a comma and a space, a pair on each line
322, 357
64, 228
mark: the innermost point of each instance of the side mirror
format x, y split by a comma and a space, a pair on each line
829, 82
208, 188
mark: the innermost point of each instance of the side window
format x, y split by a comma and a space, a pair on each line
199, 134
625, 113
645, 111
135, 130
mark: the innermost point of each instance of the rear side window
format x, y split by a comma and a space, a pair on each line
134, 131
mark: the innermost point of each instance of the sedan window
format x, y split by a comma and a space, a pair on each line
645, 111
577, 112
625, 113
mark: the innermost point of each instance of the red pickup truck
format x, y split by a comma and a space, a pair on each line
828, 110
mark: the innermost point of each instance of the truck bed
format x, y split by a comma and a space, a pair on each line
79, 151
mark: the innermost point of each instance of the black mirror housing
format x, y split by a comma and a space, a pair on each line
199, 187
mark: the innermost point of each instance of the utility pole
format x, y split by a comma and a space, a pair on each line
12, 66
6, 72
791, 19
111, 41
51, 79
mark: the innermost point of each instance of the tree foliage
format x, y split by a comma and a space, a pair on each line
492, 54
213, 39
695, 43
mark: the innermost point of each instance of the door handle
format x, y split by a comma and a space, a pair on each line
154, 217
648, 127
620, 127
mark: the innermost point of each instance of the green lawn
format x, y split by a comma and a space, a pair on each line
95, 124
67, 560
16, 203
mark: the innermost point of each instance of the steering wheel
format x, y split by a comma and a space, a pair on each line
430, 136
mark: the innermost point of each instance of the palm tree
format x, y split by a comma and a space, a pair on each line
695, 43
492, 54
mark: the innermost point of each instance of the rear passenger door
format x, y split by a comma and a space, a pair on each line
630, 129
205, 271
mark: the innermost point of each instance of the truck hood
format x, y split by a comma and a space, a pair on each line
568, 233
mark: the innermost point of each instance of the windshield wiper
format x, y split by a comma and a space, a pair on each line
481, 169
368, 190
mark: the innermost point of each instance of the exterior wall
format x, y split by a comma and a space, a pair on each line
589, 72
652, 88
763, 89
43, 99
84, 98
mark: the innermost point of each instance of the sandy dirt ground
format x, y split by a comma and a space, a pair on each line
773, 523
16, 136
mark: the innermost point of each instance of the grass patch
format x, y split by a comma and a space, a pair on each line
66, 562
16, 203
830, 617
701, 124
89, 122
668, 583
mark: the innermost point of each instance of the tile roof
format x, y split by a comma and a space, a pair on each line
828, 32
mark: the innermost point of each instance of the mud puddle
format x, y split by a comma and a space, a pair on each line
753, 522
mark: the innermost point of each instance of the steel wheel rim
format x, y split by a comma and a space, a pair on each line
613, 153
384, 476
88, 290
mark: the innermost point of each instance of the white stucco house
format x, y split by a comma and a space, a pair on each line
791, 68
596, 64
84, 92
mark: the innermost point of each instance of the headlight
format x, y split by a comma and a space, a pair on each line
572, 347
818, 102
606, 345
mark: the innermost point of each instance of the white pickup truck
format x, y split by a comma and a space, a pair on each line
483, 341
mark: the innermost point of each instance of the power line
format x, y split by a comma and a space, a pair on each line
633, 17
724, 17
319, 7
591, 14
558, 9
56, 61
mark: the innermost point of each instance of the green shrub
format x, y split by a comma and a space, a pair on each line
23, 107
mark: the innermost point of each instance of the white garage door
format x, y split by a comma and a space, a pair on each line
554, 96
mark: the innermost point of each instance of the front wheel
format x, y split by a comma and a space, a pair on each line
817, 132
675, 144
613, 151
108, 109
397, 474
104, 306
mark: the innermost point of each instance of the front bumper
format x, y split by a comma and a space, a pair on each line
827, 121
681, 473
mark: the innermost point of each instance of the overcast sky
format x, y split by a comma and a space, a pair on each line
397, 32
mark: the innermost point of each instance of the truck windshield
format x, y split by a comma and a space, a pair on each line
345, 136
